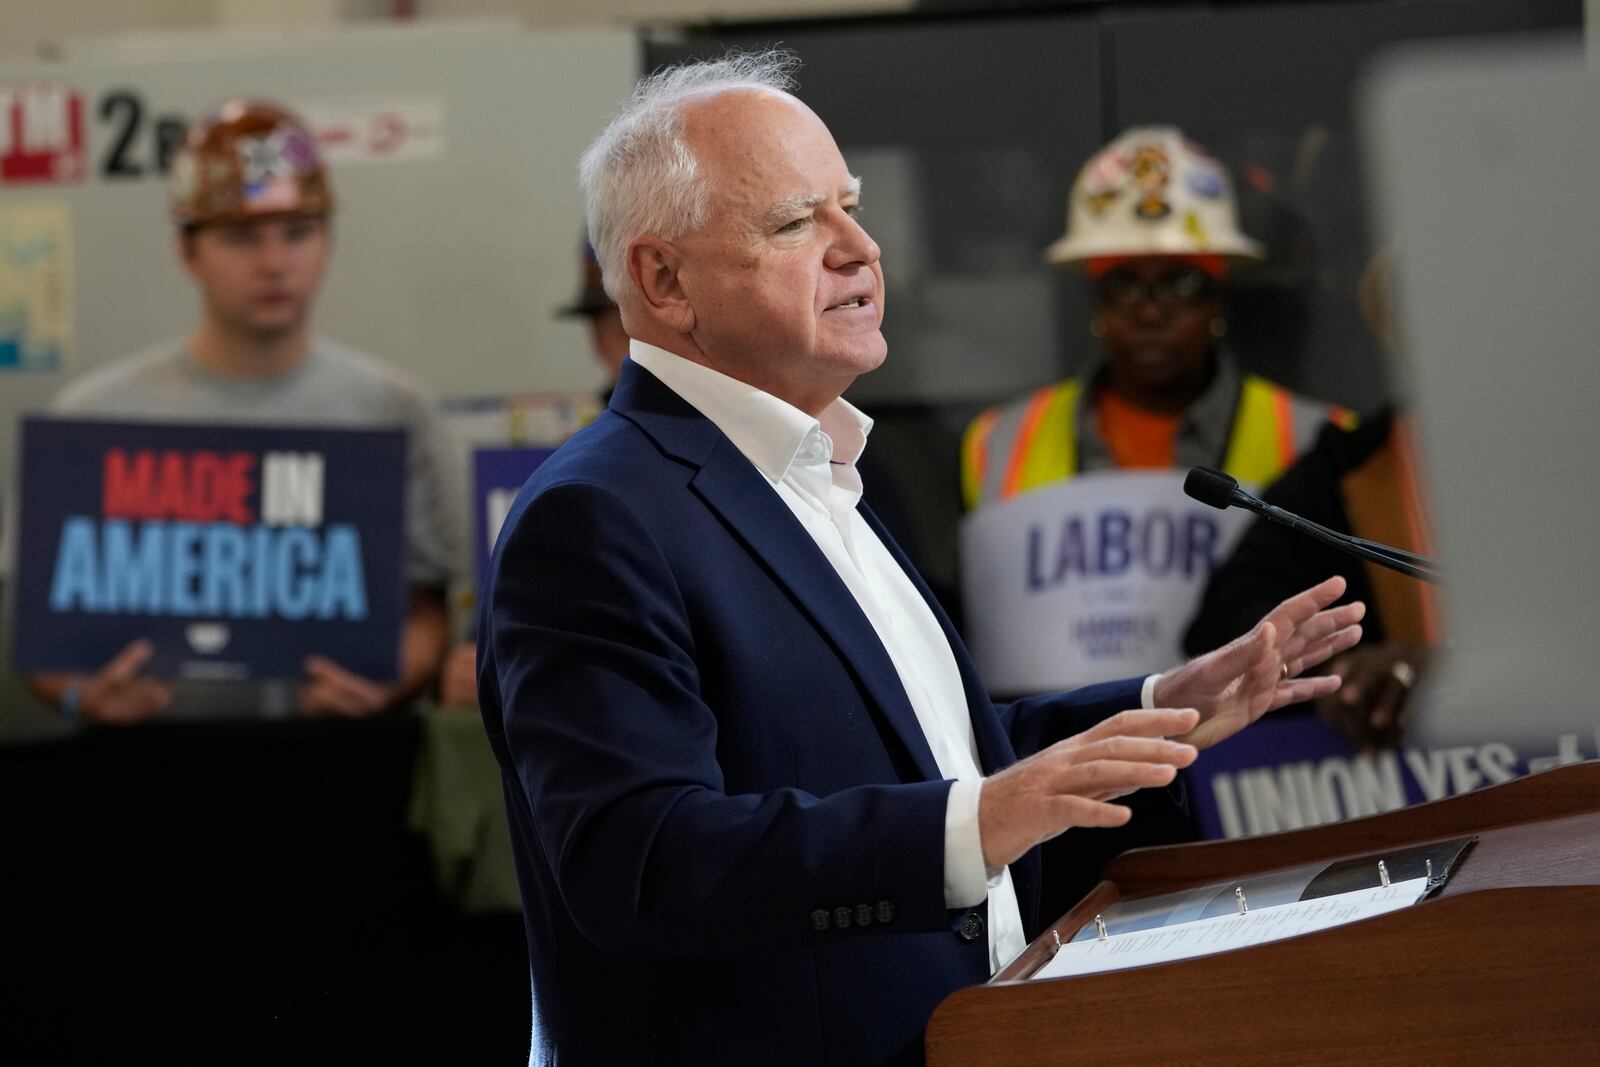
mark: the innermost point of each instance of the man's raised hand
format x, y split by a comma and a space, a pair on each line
1071, 782
1235, 685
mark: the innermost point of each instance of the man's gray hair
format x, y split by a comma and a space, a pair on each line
640, 176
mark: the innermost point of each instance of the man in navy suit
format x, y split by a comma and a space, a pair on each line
762, 808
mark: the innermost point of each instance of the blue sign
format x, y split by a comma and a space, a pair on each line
237, 551
497, 476
1292, 770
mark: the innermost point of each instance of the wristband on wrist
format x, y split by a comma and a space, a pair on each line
70, 696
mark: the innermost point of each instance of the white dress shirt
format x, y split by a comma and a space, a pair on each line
811, 465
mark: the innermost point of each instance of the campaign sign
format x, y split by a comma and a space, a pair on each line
1089, 580
236, 550
497, 476
1292, 770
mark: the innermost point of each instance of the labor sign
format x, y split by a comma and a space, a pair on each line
1090, 580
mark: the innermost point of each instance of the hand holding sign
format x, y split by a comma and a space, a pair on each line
332, 690
117, 694
1069, 783
1260, 672
458, 684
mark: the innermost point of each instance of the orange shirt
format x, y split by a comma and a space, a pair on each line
1139, 439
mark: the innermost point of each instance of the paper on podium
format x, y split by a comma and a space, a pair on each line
1218, 934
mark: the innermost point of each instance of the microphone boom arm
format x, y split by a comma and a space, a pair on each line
1221, 490
1408, 563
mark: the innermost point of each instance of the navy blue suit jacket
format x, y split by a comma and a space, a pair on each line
728, 826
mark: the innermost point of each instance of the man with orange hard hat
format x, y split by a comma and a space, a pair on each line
251, 201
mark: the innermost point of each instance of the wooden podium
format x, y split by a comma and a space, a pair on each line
1503, 961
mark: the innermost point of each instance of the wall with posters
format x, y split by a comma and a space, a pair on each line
452, 150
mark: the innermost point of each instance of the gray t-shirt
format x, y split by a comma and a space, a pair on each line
334, 386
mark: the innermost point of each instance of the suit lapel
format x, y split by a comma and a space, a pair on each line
994, 747
732, 487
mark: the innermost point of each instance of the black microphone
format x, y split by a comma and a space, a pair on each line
1215, 488
1219, 490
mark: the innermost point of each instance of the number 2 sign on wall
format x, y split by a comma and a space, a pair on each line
140, 143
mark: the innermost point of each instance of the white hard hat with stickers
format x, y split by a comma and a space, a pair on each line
1152, 192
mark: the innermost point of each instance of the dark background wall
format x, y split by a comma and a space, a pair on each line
969, 126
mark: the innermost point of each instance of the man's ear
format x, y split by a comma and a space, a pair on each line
653, 264
184, 242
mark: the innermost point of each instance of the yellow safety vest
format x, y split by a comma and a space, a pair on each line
1013, 449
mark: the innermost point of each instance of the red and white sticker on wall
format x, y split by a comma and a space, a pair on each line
376, 128
42, 136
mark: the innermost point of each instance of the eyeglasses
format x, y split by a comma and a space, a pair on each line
1122, 290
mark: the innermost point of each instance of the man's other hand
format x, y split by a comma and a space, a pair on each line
458, 685
1070, 783
1238, 683
329, 689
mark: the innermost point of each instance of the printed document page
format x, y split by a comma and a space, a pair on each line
1205, 936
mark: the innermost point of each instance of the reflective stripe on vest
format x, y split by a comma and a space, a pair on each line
1021, 446
1026, 445
1271, 426
975, 455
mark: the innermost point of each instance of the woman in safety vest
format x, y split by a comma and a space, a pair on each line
1153, 225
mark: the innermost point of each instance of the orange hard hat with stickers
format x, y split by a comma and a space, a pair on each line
249, 159
1152, 192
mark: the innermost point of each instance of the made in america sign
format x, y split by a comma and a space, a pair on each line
236, 550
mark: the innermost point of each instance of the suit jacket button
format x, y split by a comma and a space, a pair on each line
841, 918
863, 914
971, 926
819, 920
885, 911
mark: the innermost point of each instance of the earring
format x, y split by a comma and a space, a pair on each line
1097, 328
1219, 327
